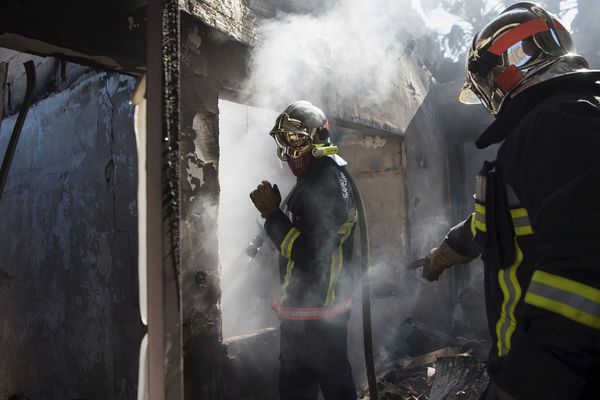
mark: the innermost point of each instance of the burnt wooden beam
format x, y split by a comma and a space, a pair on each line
162, 167
110, 34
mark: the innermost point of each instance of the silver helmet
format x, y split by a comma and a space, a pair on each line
514, 51
298, 129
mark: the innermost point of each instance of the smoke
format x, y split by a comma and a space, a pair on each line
247, 158
345, 56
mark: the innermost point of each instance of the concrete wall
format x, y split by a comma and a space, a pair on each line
69, 313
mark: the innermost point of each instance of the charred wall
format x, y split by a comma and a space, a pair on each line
69, 312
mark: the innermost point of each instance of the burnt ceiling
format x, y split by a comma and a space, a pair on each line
108, 33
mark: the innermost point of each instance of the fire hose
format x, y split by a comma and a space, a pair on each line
365, 261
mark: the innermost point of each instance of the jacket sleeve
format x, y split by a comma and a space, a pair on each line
324, 224
557, 342
461, 238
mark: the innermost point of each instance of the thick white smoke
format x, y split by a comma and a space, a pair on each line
344, 58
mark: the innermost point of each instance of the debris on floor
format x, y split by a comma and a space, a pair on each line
454, 372
455, 377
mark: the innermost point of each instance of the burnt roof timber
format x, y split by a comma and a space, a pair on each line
109, 34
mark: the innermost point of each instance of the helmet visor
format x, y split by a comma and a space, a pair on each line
291, 144
291, 138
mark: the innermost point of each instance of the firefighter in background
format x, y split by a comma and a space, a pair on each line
313, 231
537, 208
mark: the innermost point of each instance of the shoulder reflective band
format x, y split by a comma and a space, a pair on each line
305, 314
571, 299
521, 223
515, 35
511, 290
288, 242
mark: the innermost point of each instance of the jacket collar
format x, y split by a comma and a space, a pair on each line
524, 102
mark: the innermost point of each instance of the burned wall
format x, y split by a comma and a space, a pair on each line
69, 313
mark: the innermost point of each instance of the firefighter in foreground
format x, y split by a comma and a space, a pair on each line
313, 231
537, 208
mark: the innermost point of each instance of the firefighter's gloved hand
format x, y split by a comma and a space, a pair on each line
266, 198
439, 259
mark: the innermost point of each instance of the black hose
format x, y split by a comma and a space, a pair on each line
14, 138
365, 261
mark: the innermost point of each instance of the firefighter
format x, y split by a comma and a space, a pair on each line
313, 231
537, 208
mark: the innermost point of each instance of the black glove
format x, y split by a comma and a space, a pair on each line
266, 198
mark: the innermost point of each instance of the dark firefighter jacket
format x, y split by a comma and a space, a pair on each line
537, 222
314, 234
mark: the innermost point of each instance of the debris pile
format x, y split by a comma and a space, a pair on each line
455, 377
456, 372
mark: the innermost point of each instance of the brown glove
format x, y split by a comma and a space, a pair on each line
439, 259
266, 198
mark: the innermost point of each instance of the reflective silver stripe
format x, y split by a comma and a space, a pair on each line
521, 222
570, 299
480, 188
513, 200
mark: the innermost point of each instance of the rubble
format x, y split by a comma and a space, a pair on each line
441, 375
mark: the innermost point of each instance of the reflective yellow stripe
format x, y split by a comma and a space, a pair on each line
563, 309
288, 242
480, 226
480, 208
519, 213
473, 231
523, 230
337, 261
566, 297
567, 285
286, 280
521, 222
479, 218
511, 289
